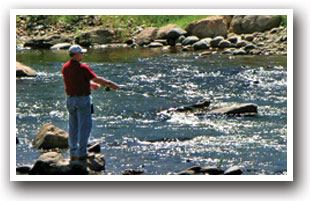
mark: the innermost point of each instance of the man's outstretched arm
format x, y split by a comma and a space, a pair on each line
108, 83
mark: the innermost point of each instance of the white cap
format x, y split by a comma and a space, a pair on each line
77, 49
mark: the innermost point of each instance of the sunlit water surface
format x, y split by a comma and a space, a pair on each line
129, 124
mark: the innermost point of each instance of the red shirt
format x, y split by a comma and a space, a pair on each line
77, 78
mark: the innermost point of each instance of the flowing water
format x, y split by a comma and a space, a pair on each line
129, 124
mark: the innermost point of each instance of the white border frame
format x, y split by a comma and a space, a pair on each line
288, 12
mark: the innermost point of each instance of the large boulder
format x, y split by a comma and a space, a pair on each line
146, 36
49, 137
254, 23
246, 108
24, 71
208, 27
52, 163
96, 36
48, 40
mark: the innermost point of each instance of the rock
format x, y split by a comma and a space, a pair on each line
48, 41
60, 46
248, 38
146, 36
260, 44
249, 47
23, 170
255, 52
97, 36
52, 163
206, 53
24, 71
180, 39
235, 170
239, 52
228, 51
172, 31
109, 45
246, 108
201, 45
132, 172
254, 23
187, 172
190, 40
94, 147
281, 39
49, 137
129, 41
215, 41
96, 162
208, 27
224, 44
162, 41
241, 44
233, 39
186, 48
175, 33
155, 44
197, 170
274, 30
187, 108
211, 170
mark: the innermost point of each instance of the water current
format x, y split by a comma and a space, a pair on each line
132, 130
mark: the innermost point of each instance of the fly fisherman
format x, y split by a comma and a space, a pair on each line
77, 78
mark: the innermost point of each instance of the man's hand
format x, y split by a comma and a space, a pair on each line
106, 83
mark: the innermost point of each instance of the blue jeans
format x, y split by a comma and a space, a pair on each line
80, 124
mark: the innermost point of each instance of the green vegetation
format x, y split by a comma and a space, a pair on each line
125, 21
284, 20
118, 21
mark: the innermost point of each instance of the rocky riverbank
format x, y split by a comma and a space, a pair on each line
235, 35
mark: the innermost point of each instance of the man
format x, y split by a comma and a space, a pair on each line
77, 77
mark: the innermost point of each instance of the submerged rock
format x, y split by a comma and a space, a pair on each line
133, 172
49, 137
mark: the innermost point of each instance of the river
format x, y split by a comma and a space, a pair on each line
132, 131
